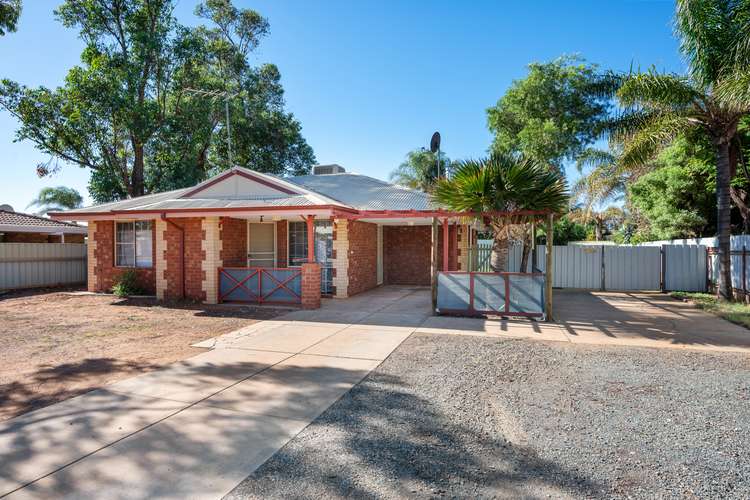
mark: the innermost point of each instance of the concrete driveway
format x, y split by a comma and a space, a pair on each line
198, 427
646, 319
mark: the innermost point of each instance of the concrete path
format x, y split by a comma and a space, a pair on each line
198, 427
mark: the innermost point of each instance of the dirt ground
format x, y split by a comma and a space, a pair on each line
57, 344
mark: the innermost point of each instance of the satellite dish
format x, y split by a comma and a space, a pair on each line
435, 142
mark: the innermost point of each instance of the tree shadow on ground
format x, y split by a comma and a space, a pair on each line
384, 440
53, 383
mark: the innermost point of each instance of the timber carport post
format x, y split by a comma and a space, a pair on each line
548, 268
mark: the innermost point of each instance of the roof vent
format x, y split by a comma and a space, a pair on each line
328, 169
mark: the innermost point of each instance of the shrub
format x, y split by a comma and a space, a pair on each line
127, 284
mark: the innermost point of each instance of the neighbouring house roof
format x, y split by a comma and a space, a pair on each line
240, 188
16, 222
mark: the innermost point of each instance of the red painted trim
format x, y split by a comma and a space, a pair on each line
301, 208
310, 239
230, 173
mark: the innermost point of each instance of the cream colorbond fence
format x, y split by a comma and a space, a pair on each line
29, 265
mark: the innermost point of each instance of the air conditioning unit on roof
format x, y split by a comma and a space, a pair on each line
328, 169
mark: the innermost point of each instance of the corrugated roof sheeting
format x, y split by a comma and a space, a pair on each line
364, 193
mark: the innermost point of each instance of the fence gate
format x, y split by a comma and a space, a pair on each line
268, 285
685, 268
632, 268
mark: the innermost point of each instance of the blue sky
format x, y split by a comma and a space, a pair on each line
371, 80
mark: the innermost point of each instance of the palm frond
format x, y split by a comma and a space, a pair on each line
659, 92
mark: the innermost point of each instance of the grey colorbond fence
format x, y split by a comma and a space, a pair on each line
626, 267
29, 265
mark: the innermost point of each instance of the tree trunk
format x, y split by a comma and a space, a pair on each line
136, 182
739, 196
598, 230
527, 244
723, 223
499, 257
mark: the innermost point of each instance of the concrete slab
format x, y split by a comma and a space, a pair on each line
198, 377
40, 442
225, 339
328, 316
385, 321
202, 452
301, 387
644, 319
291, 338
363, 343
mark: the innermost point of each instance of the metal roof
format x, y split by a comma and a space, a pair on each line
364, 193
19, 222
347, 190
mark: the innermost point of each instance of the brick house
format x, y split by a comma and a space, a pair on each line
249, 236
17, 227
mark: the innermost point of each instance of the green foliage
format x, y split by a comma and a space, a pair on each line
127, 284
51, 199
10, 11
419, 170
553, 113
129, 112
678, 198
503, 183
715, 41
566, 230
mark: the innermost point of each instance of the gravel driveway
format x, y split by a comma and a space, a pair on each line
449, 416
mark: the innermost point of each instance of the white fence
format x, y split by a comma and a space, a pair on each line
28, 265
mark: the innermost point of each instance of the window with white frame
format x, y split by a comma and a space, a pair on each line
133, 244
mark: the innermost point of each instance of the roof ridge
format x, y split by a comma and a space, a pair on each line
39, 217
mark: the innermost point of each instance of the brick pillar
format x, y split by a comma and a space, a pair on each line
160, 263
463, 247
311, 285
91, 276
340, 260
211, 247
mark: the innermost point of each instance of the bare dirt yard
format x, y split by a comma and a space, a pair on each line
57, 344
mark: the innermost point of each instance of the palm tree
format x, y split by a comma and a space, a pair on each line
499, 186
658, 107
51, 199
419, 170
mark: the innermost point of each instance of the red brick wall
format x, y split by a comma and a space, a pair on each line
406, 254
310, 285
40, 238
363, 256
281, 244
234, 242
106, 271
193, 258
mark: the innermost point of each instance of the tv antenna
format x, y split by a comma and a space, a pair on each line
215, 94
435, 148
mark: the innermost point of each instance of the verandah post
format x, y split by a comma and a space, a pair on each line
548, 268
310, 239
434, 262
446, 244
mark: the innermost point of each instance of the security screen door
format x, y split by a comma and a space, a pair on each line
261, 244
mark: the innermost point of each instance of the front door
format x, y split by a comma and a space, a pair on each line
261, 244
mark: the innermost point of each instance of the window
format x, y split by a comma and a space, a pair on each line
133, 244
297, 243
323, 248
